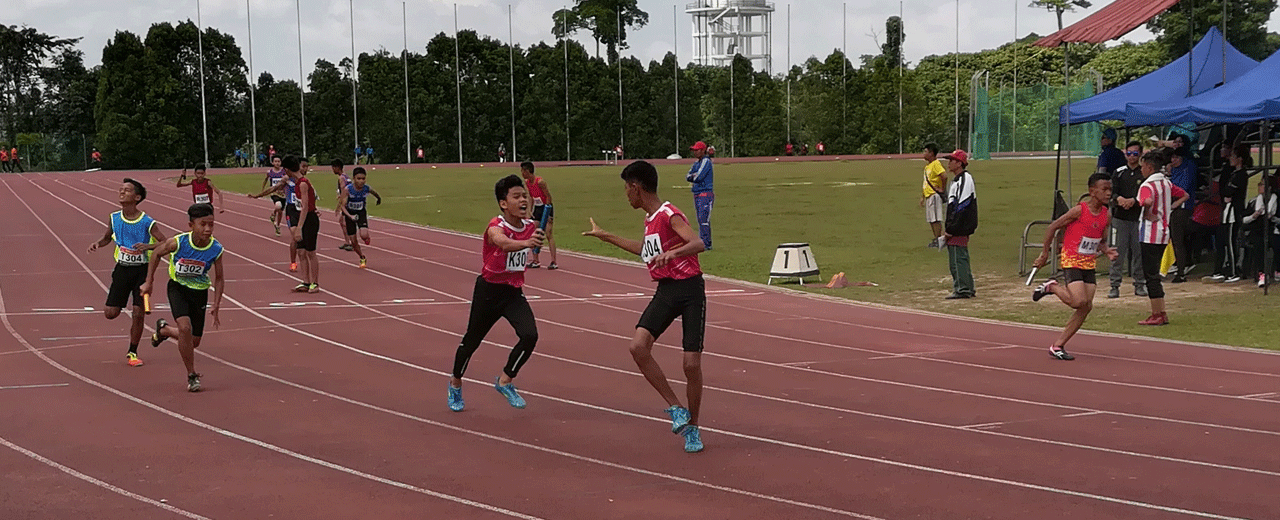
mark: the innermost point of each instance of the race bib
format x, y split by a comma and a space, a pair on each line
355, 205
189, 267
203, 198
651, 248
132, 257
516, 260
1089, 246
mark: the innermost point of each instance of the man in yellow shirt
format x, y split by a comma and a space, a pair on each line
932, 198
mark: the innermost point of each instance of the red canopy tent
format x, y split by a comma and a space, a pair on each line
1110, 22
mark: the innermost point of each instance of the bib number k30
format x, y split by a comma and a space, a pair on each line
516, 260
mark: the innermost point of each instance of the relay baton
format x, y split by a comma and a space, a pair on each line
542, 224
1033, 275
146, 303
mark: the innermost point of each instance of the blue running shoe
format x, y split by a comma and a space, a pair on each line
509, 391
679, 418
455, 398
692, 439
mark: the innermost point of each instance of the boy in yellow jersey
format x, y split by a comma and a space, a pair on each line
135, 234
191, 255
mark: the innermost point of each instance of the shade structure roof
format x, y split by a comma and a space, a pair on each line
1110, 22
1210, 63
1254, 96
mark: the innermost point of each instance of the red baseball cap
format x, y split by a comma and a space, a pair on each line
698, 146
959, 155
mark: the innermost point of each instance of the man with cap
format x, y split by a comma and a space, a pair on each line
961, 222
1111, 158
703, 196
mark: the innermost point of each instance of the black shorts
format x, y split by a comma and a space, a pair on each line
276, 199
310, 230
361, 221
1088, 276
537, 212
686, 299
292, 214
188, 302
126, 280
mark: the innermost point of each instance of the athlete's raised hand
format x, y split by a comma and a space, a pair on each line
595, 230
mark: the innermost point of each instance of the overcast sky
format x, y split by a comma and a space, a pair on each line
930, 25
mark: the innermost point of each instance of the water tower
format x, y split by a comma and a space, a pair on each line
723, 28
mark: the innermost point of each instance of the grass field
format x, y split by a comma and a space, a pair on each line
861, 218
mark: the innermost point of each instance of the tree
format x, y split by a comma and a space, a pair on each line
1061, 6
22, 53
1246, 26
601, 17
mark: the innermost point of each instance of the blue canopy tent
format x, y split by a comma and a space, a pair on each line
1210, 63
1254, 96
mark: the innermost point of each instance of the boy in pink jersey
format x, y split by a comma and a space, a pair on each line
1084, 238
670, 249
498, 294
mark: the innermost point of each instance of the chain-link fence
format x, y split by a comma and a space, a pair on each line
1007, 119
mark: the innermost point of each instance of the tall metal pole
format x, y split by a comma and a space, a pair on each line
457, 78
253, 86
844, 66
622, 125
1015, 76
957, 67
302, 80
355, 123
568, 149
788, 73
675, 51
204, 116
404, 22
901, 13
732, 110
511, 63
1224, 41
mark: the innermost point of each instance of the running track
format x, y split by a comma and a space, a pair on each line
814, 408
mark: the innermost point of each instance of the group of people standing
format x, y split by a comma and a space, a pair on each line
10, 162
951, 209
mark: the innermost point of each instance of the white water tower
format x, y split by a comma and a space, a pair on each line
723, 28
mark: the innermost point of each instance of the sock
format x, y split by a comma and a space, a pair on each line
133, 348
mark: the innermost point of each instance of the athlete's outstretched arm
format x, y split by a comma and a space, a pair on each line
626, 244
219, 282
106, 239
274, 188
692, 243
507, 245
1059, 224
168, 246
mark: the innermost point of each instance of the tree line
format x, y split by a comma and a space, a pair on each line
141, 107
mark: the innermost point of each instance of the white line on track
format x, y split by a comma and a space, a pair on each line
46, 385
104, 485
787, 443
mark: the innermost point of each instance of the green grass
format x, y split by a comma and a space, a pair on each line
861, 218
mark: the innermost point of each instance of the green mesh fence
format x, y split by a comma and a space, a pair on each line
1006, 119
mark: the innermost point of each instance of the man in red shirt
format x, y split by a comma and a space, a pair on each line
670, 249
305, 234
498, 294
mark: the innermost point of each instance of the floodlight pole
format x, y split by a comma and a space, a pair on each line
511, 63
675, 46
408, 145
302, 89
457, 75
568, 148
253, 87
355, 122
1015, 77
622, 125
204, 115
788, 73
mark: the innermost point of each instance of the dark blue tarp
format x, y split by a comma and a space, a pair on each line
1254, 96
1169, 83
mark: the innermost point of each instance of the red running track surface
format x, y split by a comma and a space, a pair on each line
332, 405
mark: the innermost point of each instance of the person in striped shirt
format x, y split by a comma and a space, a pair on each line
1157, 196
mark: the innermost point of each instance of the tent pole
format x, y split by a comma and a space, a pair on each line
1267, 193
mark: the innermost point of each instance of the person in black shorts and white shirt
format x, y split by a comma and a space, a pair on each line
135, 235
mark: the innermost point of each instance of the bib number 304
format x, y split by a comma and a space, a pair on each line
651, 248
517, 260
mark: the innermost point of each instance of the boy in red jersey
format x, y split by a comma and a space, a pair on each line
498, 293
670, 249
1084, 238
541, 196
202, 189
